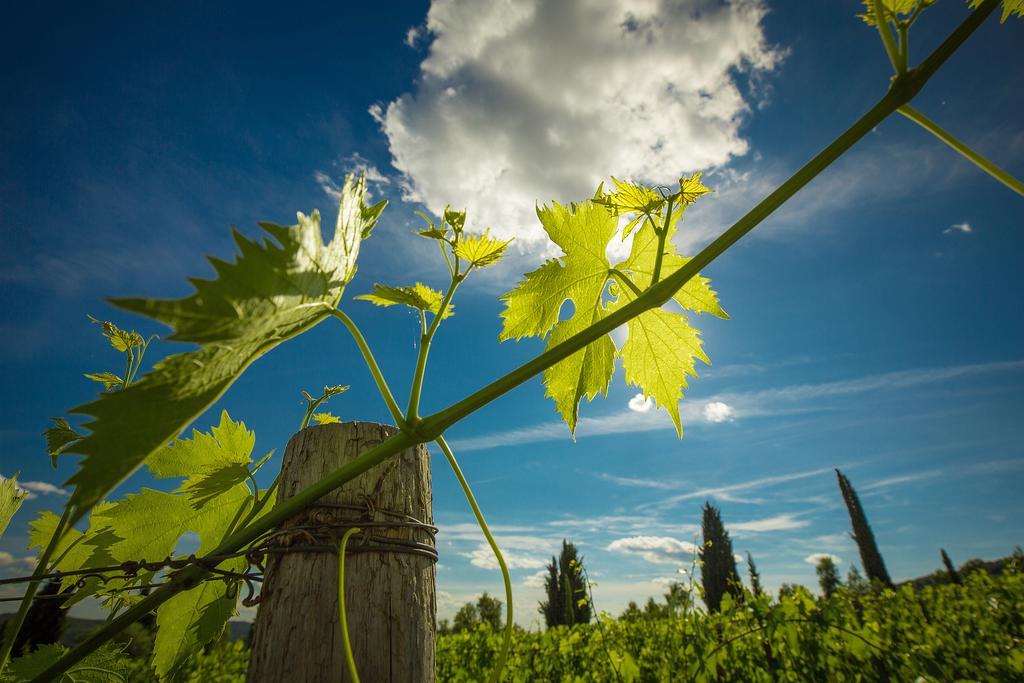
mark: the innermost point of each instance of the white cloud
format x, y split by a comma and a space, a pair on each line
964, 228
483, 557
724, 492
640, 404
42, 487
782, 400
536, 580
539, 100
657, 549
9, 560
413, 35
814, 558
640, 483
354, 163
717, 411
783, 522
902, 479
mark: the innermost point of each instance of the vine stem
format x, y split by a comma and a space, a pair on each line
965, 151
662, 236
14, 625
349, 659
902, 89
412, 412
507, 641
625, 280
371, 363
886, 34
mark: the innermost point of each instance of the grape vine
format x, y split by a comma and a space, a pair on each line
291, 281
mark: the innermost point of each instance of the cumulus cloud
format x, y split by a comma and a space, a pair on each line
413, 35
716, 412
640, 404
815, 558
9, 560
483, 557
964, 227
536, 580
42, 487
657, 549
539, 100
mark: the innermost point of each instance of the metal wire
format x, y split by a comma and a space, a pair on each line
319, 533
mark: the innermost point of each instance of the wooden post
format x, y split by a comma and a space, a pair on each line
389, 596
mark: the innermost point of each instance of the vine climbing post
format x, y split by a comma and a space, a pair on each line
389, 589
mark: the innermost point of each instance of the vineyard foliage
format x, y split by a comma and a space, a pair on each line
950, 632
947, 632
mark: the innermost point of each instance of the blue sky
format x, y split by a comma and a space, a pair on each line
875, 321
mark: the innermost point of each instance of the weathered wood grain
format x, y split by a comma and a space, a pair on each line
389, 597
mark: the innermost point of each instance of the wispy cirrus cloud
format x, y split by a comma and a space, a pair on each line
963, 228
783, 522
959, 470
727, 492
738, 405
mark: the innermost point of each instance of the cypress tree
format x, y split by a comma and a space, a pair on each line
718, 565
566, 603
874, 566
755, 577
950, 567
828, 576
553, 607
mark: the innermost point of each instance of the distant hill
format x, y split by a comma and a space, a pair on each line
941, 576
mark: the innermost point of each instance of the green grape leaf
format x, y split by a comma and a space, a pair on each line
229, 443
1010, 8
583, 232
661, 347
891, 10
586, 373
75, 550
696, 295
631, 198
325, 419
418, 296
691, 189
191, 619
109, 380
272, 292
59, 437
213, 463
481, 250
11, 498
107, 664
121, 340
532, 309
149, 524
658, 354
